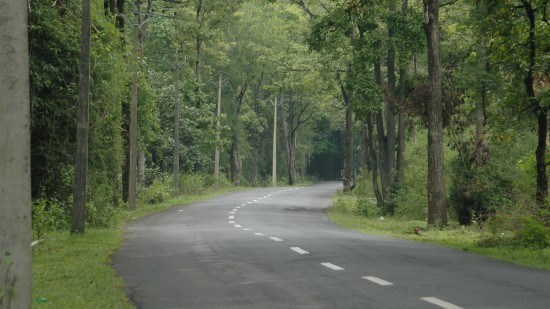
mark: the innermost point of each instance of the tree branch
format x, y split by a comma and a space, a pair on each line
450, 2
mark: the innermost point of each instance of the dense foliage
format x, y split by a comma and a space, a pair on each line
351, 83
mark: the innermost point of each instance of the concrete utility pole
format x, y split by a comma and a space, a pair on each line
217, 154
15, 179
274, 165
177, 126
83, 126
132, 173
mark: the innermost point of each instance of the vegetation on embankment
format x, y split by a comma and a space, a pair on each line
481, 240
74, 270
504, 221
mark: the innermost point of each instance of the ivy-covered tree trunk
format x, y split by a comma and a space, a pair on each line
540, 111
235, 151
15, 178
348, 134
390, 101
236, 163
402, 129
437, 204
348, 149
401, 122
372, 150
364, 147
383, 164
289, 131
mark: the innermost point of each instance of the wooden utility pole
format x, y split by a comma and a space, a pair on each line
177, 126
15, 179
217, 154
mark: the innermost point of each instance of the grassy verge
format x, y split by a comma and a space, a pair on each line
471, 239
74, 271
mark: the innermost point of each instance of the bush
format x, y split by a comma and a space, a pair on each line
192, 184
159, 191
480, 188
411, 204
101, 214
365, 208
533, 234
48, 215
344, 203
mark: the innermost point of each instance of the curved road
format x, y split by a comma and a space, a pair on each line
275, 248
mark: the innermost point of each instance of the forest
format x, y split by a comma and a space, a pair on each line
431, 110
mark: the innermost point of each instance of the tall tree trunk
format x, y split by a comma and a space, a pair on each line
348, 148
372, 150
120, 16
541, 112
364, 147
289, 130
83, 125
402, 131
141, 164
382, 141
480, 104
437, 205
236, 164
255, 134
348, 135
235, 151
542, 179
198, 46
176, 163
402, 123
390, 102
15, 176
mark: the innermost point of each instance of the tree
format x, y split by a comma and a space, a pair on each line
437, 205
520, 43
15, 186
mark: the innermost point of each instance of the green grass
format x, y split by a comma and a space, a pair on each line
345, 214
74, 271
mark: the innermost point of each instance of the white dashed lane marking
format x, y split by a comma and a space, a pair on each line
440, 303
258, 234
275, 238
332, 266
231, 217
238, 226
378, 280
231, 222
299, 250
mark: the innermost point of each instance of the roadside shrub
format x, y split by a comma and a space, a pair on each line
343, 203
533, 234
365, 208
157, 192
411, 204
479, 190
101, 214
48, 215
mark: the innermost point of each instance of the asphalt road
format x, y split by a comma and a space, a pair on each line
275, 248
